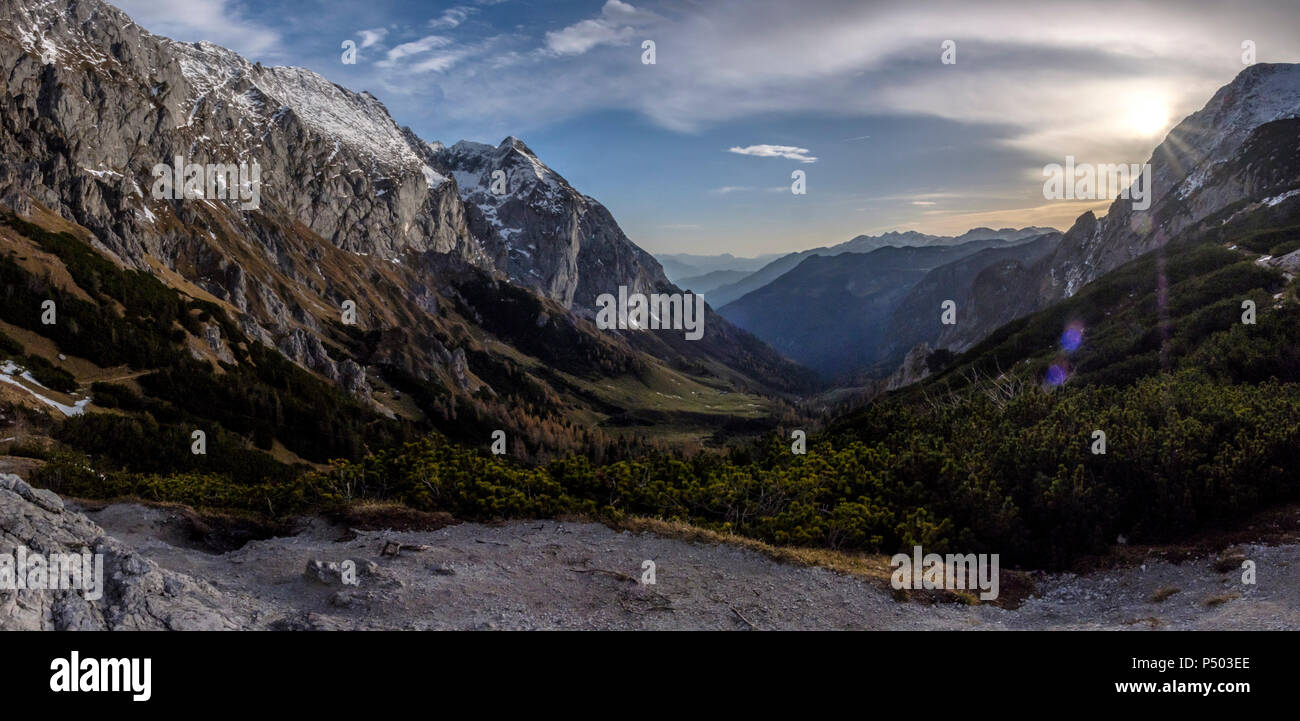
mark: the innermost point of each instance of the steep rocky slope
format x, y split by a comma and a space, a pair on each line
544, 233
352, 209
1236, 151
136, 593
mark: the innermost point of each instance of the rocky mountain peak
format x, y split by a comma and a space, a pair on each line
541, 231
1195, 172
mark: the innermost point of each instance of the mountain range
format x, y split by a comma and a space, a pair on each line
350, 345
473, 268
469, 293
853, 312
682, 266
725, 294
1234, 154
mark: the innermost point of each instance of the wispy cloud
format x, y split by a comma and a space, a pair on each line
451, 17
442, 61
415, 47
370, 37
1056, 74
217, 21
618, 22
729, 189
789, 152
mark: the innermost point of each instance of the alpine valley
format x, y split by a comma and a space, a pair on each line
473, 309
401, 335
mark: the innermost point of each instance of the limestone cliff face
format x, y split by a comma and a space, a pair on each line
913, 368
542, 232
93, 103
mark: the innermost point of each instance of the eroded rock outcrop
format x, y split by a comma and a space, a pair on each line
136, 594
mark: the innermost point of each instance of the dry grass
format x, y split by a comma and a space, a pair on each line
29, 256
384, 515
1213, 601
55, 223
860, 565
1014, 586
1162, 593
17, 465
207, 529
1229, 560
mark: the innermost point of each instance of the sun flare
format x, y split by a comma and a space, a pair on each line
1147, 118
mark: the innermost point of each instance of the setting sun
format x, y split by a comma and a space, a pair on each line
1147, 118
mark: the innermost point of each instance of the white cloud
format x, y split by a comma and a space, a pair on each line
415, 47
370, 37
438, 54
217, 21
729, 189
789, 152
441, 61
621, 12
578, 39
452, 17
618, 22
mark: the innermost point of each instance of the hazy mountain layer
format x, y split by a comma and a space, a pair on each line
861, 244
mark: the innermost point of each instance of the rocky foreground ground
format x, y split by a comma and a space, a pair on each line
559, 575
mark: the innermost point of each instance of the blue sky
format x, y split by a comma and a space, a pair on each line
853, 93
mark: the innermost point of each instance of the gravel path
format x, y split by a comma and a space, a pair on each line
560, 575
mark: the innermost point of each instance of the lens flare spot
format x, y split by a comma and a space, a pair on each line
1056, 375
1072, 337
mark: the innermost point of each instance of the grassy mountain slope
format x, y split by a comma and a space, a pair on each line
160, 363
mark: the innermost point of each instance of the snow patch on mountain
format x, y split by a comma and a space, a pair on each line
11, 373
1262, 94
1276, 199
357, 120
526, 178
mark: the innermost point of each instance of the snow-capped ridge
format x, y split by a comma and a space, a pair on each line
359, 120
1259, 94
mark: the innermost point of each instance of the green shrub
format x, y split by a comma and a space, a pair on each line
50, 375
